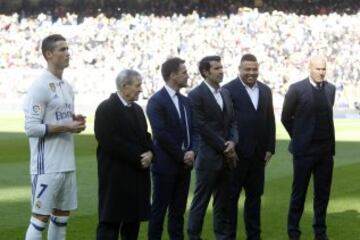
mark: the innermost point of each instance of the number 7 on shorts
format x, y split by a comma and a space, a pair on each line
43, 188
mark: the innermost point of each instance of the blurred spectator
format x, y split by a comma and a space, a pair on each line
101, 44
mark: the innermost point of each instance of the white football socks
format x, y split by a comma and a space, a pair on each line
57, 227
35, 229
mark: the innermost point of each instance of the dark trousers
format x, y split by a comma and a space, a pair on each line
321, 167
110, 230
170, 194
208, 183
248, 175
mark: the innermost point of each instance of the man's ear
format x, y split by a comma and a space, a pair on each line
48, 54
172, 74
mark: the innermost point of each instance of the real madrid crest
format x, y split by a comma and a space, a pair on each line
38, 204
52, 87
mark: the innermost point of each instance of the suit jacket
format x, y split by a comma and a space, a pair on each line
298, 115
124, 186
213, 125
167, 133
256, 127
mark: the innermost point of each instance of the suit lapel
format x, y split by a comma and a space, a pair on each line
309, 92
210, 100
170, 105
328, 94
245, 93
139, 128
261, 101
125, 113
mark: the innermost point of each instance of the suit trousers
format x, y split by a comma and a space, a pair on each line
170, 194
319, 165
110, 230
210, 182
248, 175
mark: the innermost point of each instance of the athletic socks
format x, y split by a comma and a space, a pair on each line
57, 227
35, 229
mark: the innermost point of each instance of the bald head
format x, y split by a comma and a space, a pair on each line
317, 68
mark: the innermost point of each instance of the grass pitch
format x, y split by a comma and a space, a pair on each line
343, 212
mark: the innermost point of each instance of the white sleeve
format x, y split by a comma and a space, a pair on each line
34, 108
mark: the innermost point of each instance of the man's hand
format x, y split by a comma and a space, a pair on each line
146, 158
189, 158
231, 159
267, 158
76, 126
229, 147
79, 118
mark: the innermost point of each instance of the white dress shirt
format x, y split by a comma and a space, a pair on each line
314, 84
174, 98
253, 93
126, 104
216, 94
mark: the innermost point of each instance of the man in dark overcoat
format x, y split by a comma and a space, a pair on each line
124, 154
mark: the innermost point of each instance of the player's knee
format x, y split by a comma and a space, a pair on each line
59, 221
58, 212
42, 218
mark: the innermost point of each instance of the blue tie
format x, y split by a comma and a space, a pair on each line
183, 121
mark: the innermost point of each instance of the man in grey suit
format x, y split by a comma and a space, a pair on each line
215, 122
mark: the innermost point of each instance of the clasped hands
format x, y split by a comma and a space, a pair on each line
230, 154
78, 124
189, 158
146, 158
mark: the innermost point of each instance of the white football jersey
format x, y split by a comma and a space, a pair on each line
49, 101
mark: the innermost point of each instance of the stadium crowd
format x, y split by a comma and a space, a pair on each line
114, 8
102, 45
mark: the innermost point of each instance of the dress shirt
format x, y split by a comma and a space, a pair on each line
126, 104
314, 84
174, 98
217, 95
253, 93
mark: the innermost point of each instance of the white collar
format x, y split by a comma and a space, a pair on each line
247, 86
213, 90
312, 82
126, 104
171, 91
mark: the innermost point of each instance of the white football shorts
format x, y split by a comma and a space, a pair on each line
53, 190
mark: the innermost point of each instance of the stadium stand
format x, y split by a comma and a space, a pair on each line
106, 36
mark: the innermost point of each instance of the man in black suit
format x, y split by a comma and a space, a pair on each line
124, 155
215, 122
254, 112
170, 117
308, 118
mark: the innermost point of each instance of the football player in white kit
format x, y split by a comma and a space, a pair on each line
49, 124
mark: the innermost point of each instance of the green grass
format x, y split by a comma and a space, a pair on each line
343, 211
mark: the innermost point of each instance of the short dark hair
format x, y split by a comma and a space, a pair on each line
48, 43
171, 65
248, 57
204, 64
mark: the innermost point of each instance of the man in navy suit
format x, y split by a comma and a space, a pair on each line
215, 122
308, 118
170, 118
254, 112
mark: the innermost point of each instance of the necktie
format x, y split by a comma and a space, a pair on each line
184, 126
319, 85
